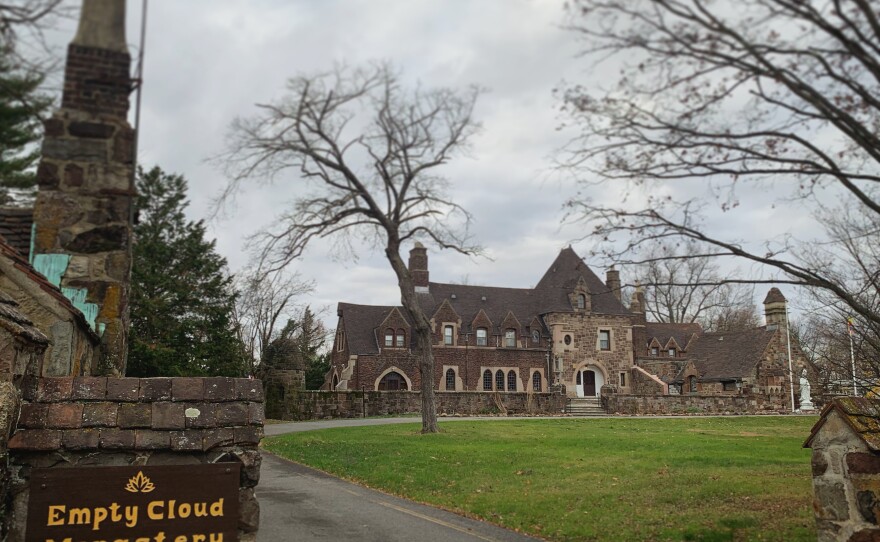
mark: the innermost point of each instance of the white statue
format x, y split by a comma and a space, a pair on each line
806, 403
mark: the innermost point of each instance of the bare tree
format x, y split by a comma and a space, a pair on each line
682, 287
369, 150
780, 93
265, 303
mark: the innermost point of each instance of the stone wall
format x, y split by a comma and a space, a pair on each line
316, 405
97, 421
694, 404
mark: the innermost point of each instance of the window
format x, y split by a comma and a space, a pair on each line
730, 386
692, 384
604, 339
499, 380
448, 335
340, 341
567, 340
450, 380
536, 336
623, 380
655, 351
392, 381
389, 337
510, 338
401, 338
511, 381
536, 381
581, 301
672, 352
487, 379
482, 337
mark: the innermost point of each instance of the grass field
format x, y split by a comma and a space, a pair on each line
737, 478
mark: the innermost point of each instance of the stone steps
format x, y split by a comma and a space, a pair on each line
584, 406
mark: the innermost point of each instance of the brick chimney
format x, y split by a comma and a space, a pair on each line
418, 267
612, 280
82, 216
775, 309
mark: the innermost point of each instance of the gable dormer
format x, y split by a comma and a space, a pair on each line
481, 326
580, 297
511, 330
446, 324
671, 348
394, 331
654, 347
536, 337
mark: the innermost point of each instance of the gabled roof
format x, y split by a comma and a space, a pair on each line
468, 300
360, 323
774, 296
562, 277
682, 333
16, 224
729, 355
861, 414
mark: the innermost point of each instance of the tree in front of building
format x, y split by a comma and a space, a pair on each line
182, 298
369, 150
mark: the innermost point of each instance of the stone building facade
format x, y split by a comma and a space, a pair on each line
571, 333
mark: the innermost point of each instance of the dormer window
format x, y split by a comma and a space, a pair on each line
672, 352
400, 339
510, 338
389, 338
655, 351
482, 336
581, 301
536, 336
448, 335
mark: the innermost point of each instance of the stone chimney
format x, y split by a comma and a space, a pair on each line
775, 309
612, 280
639, 323
418, 267
82, 216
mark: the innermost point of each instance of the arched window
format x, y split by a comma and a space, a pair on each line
509, 338
448, 335
487, 380
392, 381
389, 337
511, 381
499, 380
536, 381
581, 301
692, 384
536, 336
450, 380
335, 382
401, 338
482, 336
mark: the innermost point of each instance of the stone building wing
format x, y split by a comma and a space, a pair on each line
360, 323
860, 414
562, 277
730, 355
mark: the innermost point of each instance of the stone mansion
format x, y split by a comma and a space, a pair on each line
571, 333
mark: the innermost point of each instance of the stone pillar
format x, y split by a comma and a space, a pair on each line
418, 267
83, 212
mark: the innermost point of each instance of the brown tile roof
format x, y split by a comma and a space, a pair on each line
562, 277
860, 413
682, 333
774, 296
551, 295
21, 264
729, 355
15, 226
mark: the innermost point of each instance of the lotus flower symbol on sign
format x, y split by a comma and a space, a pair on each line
140, 484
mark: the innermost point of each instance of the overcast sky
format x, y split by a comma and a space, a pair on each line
210, 61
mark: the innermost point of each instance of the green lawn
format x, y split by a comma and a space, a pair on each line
737, 478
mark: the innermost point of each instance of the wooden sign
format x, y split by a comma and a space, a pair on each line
179, 503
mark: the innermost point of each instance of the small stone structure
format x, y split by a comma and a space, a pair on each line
316, 405
846, 470
96, 421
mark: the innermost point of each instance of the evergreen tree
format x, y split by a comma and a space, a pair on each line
182, 299
297, 348
21, 106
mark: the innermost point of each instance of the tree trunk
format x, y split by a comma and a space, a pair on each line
422, 333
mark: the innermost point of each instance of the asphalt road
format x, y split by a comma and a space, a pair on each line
301, 504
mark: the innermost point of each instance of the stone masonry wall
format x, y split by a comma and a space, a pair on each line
316, 405
693, 404
97, 421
